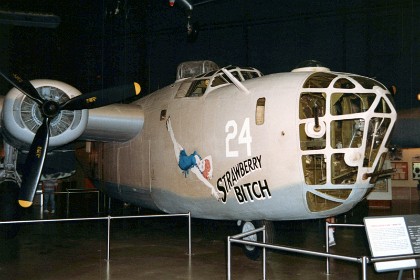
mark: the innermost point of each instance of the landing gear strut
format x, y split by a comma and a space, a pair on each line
9, 192
254, 252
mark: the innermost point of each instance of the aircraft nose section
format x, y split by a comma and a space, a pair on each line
355, 116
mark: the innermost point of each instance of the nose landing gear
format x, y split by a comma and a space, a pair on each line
254, 252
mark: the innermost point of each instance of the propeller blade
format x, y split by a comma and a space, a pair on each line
102, 97
24, 86
34, 163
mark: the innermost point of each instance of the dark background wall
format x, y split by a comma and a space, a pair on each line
109, 42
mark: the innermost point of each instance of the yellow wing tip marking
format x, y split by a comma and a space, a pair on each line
137, 88
24, 203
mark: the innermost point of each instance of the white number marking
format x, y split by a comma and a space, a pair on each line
244, 137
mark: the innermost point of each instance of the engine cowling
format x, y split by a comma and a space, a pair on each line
21, 116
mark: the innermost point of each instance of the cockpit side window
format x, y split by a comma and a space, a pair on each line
217, 81
236, 75
249, 75
198, 88
183, 89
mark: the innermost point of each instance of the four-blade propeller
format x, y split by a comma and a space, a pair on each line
49, 110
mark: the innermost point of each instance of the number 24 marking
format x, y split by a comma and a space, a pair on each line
244, 137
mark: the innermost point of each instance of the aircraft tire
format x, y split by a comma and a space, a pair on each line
9, 209
252, 252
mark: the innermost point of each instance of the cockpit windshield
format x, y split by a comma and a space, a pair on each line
206, 82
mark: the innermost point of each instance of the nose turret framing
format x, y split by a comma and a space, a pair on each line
344, 123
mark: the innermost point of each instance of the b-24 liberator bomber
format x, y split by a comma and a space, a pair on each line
233, 144
223, 143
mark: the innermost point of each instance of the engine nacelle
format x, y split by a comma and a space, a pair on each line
114, 123
21, 116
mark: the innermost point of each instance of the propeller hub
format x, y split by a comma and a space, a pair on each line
50, 108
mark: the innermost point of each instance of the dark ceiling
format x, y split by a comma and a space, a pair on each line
104, 43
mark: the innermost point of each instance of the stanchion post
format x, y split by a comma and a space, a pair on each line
264, 255
327, 242
108, 239
228, 258
364, 267
189, 233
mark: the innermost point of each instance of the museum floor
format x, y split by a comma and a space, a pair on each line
156, 248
